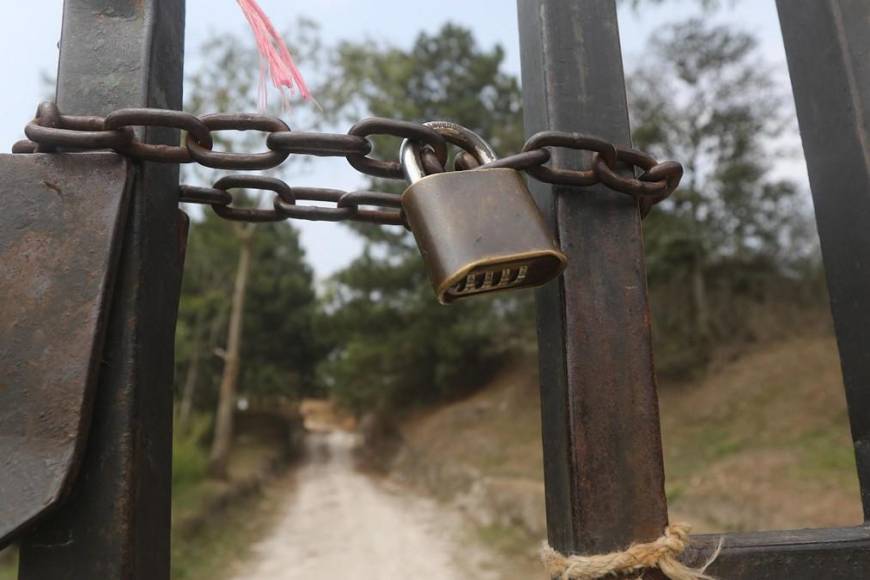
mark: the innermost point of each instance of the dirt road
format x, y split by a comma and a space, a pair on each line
339, 523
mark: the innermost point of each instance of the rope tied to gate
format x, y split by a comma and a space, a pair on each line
660, 554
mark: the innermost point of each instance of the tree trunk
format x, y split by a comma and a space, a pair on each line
188, 391
189, 387
700, 307
223, 431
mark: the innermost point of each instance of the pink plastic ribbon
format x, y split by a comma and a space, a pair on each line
275, 59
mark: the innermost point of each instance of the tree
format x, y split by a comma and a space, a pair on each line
443, 76
708, 99
223, 433
282, 347
393, 345
202, 313
262, 333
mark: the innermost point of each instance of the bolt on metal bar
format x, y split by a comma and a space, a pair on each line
827, 47
602, 444
114, 54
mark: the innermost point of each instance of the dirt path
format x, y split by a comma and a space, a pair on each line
339, 523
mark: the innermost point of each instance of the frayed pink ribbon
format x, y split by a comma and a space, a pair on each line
275, 59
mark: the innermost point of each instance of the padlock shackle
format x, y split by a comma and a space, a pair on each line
411, 161
468, 140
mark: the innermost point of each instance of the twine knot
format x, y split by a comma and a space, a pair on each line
661, 553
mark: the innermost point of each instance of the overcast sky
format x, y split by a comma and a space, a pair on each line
29, 32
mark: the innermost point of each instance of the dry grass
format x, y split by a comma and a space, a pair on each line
763, 442
495, 432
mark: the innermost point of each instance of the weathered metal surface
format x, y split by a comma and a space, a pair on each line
602, 445
116, 54
832, 554
59, 243
828, 48
480, 231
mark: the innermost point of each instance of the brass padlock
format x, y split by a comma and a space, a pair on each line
478, 230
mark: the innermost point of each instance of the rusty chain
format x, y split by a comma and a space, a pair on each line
611, 165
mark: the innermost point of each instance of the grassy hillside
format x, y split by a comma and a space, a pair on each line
763, 442
760, 442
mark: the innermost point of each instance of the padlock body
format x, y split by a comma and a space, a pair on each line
480, 231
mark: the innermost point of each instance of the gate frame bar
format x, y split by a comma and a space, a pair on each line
602, 442
114, 54
835, 131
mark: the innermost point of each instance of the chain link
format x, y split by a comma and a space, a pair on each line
124, 120
611, 165
349, 205
202, 152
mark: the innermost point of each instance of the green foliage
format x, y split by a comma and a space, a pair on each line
443, 76
280, 349
189, 456
9, 563
393, 344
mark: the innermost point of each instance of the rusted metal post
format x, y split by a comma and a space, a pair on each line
125, 53
602, 443
828, 49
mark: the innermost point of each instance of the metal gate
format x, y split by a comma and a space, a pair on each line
601, 435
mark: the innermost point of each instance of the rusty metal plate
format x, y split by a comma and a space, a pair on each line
59, 235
